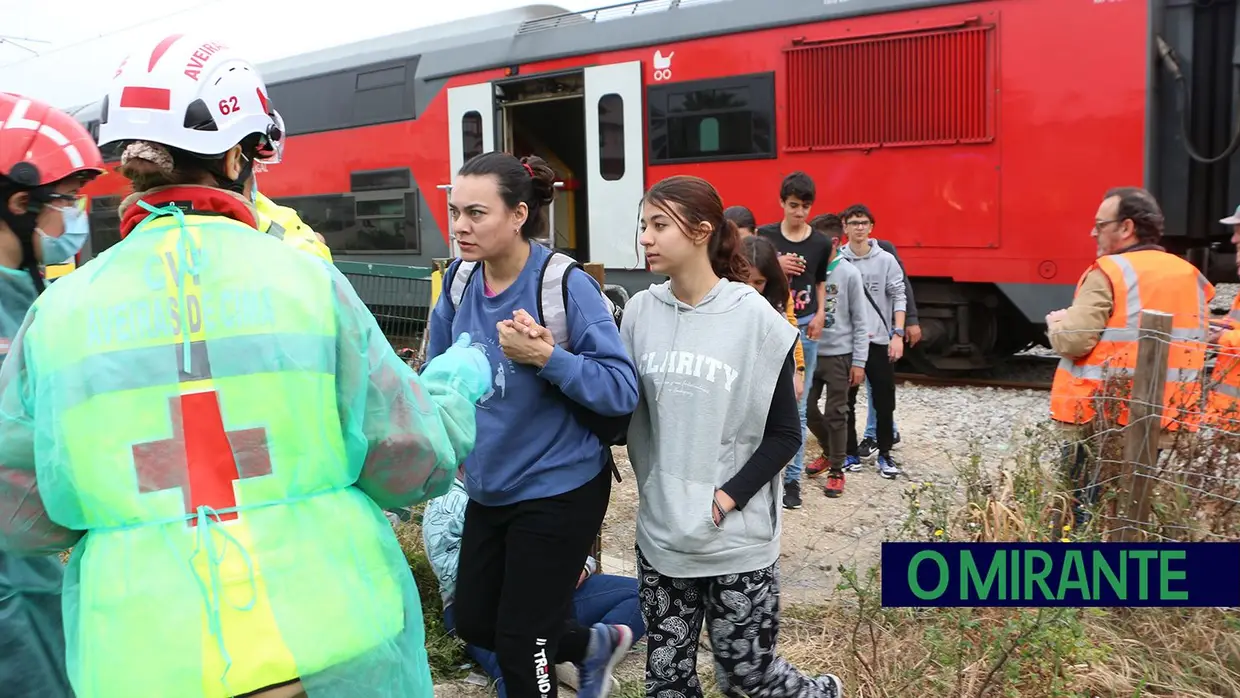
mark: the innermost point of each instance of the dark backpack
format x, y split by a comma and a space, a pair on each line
552, 313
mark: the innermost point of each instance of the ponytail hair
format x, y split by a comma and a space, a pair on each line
529, 181
691, 201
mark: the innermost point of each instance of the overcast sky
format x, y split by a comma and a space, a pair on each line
86, 39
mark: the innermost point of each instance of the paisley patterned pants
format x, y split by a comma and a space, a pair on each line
742, 614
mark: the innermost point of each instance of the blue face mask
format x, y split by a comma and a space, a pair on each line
58, 250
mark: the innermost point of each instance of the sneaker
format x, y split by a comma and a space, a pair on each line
792, 495
887, 467
831, 685
867, 448
566, 672
835, 485
608, 645
852, 464
818, 467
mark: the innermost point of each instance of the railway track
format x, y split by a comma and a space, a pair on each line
973, 382
1019, 372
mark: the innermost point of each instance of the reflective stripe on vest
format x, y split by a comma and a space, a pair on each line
1115, 355
1224, 402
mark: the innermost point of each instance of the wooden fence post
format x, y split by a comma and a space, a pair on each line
1141, 436
595, 269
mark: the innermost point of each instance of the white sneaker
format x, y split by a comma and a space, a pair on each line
567, 674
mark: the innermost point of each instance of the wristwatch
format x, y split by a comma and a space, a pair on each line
898, 331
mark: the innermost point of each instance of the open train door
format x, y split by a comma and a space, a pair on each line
615, 165
471, 132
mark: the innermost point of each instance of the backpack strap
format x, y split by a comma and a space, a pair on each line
553, 295
459, 276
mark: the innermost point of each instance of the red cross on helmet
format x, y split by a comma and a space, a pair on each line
40, 144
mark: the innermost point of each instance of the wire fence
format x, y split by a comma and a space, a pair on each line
1160, 458
400, 299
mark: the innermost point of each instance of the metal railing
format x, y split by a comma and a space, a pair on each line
398, 296
602, 14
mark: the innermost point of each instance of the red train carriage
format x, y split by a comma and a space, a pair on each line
982, 134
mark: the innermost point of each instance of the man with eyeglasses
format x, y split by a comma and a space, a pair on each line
1097, 335
883, 282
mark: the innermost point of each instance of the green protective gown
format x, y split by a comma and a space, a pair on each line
222, 418
32, 638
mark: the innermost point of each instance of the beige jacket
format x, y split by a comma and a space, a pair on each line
1077, 333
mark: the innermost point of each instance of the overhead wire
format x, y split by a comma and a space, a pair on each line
114, 32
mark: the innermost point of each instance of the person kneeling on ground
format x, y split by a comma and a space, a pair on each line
600, 598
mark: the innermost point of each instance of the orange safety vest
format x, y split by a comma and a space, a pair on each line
1223, 405
1141, 280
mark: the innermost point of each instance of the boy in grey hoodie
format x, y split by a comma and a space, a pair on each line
843, 349
884, 293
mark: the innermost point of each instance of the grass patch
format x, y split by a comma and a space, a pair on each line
1026, 653
446, 653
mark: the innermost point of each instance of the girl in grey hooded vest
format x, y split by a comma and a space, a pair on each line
715, 423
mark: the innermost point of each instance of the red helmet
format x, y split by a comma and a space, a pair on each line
40, 144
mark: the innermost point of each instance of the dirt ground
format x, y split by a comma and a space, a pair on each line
823, 534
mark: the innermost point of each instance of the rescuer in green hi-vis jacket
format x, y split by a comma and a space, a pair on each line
45, 158
215, 422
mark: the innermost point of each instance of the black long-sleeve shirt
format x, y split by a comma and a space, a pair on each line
780, 440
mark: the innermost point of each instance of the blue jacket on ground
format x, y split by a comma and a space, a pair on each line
529, 444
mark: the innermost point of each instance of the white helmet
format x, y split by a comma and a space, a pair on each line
188, 93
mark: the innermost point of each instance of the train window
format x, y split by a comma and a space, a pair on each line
932, 87
373, 94
611, 136
381, 208
471, 134
722, 119
374, 224
105, 223
376, 180
708, 135
328, 214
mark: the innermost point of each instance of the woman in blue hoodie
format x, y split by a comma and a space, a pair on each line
716, 423
538, 480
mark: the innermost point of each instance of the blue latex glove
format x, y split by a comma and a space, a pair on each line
462, 367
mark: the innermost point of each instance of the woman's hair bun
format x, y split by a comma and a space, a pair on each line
544, 178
